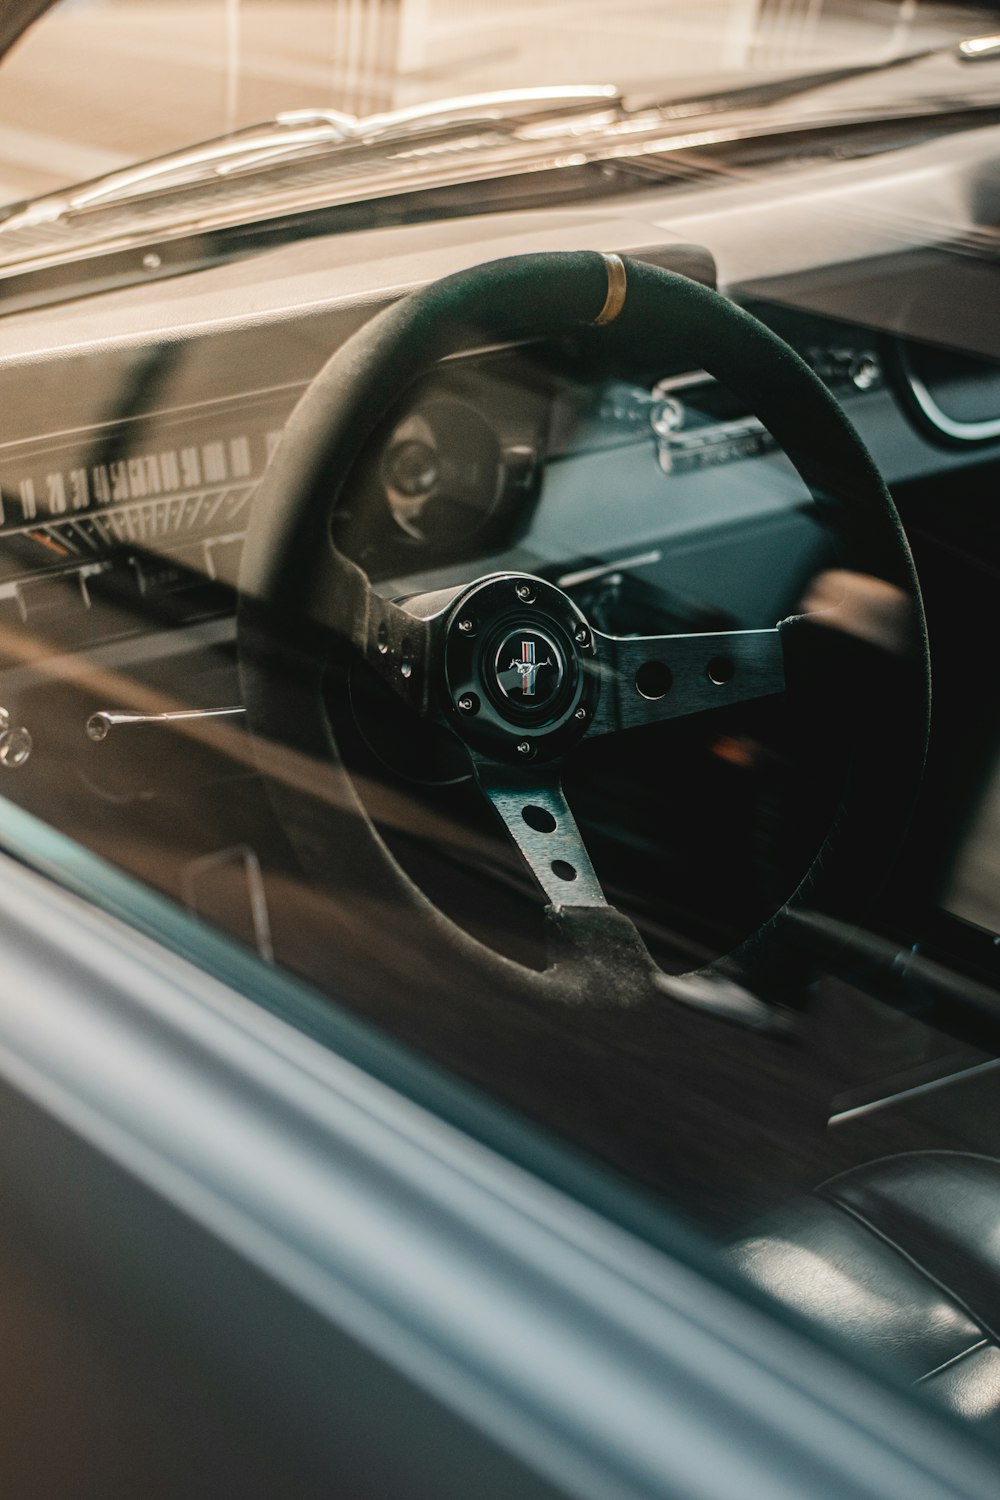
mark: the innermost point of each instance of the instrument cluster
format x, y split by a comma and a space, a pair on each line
149, 511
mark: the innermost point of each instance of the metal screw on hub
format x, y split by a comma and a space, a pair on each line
465, 626
581, 713
581, 636
467, 703
524, 747
524, 593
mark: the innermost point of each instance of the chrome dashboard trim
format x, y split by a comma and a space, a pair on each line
966, 432
949, 427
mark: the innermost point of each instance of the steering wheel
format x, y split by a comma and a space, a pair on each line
507, 663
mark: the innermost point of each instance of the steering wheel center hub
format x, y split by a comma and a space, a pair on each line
519, 671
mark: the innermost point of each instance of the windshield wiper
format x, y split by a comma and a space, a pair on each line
776, 90
496, 133
297, 133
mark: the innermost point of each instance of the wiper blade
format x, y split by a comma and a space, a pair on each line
777, 90
299, 133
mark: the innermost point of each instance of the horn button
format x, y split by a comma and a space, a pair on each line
530, 671
520, 670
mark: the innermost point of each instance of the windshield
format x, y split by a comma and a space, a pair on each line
126, 80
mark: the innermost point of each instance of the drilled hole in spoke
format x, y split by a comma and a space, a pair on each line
538, 818
563, 869
653, 680
720, 670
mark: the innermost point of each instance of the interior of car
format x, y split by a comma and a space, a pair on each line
552, 619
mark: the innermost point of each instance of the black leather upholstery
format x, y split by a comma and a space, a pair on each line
903, 1257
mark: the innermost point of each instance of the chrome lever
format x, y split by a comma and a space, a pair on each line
100, 724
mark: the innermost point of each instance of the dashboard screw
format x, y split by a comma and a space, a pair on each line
468, 703
466, 626
524, 593
581, 636
524, 747
581, 713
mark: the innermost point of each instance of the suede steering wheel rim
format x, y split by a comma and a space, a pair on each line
486, 640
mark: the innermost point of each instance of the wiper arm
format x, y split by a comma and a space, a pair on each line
300, 132
776, 90
508, 105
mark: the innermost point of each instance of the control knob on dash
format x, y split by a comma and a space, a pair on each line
16, 743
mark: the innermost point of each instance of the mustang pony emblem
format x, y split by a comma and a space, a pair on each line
527, 668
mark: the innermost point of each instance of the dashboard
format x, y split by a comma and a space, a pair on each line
139, 424
154, 501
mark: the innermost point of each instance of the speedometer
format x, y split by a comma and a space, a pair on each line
178, 483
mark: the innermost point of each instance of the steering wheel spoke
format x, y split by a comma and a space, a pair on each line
400, 640
399, 646
646, 679
532, 806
